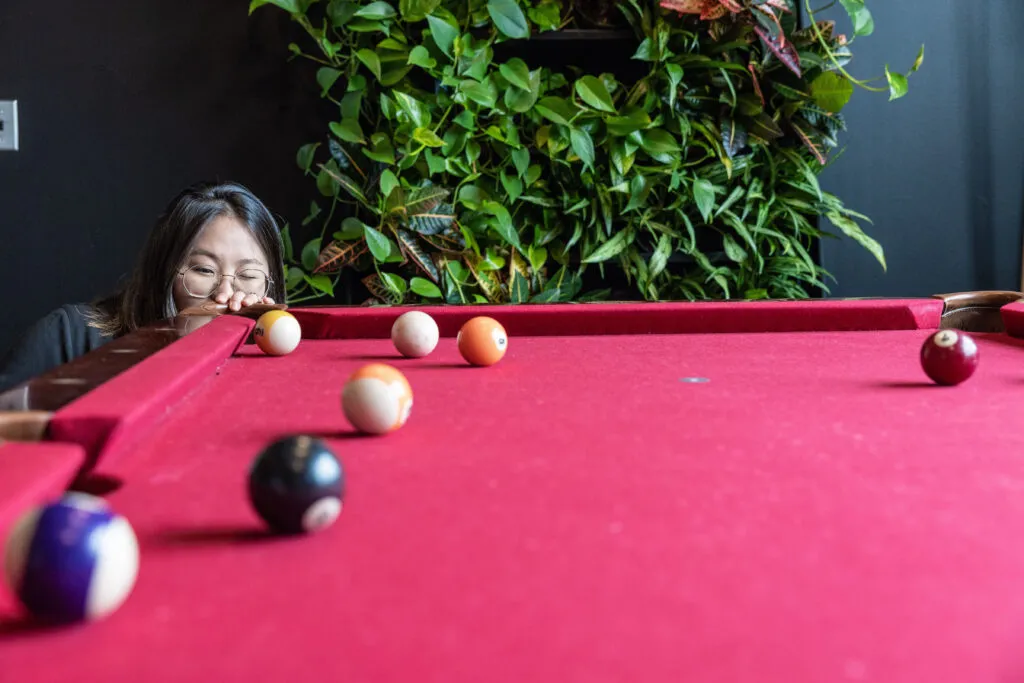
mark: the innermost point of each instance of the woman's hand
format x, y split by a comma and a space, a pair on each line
239, 300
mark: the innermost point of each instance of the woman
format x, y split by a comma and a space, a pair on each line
214, 242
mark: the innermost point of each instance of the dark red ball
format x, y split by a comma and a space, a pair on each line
949, 357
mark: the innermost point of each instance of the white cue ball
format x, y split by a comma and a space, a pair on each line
415, 334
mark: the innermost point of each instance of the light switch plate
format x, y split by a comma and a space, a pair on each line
9, 125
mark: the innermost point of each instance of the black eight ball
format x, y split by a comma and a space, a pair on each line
297, 485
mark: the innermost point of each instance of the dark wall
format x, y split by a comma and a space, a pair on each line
124, 103
940, 171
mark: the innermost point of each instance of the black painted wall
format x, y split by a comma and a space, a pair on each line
940, 171
124, 103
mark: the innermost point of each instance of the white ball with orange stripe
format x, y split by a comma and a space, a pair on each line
377, 399
277, 333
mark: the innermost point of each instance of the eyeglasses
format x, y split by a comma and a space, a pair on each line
202, 281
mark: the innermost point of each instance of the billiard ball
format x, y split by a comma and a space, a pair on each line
277, 333
414, 334
482, 341
377, 399
297, 485
71, 560
949, 357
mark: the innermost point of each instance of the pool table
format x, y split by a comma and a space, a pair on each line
771, 492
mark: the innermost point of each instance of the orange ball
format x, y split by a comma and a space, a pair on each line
482, 341
377, 399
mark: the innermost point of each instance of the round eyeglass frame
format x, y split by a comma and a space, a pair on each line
220, 278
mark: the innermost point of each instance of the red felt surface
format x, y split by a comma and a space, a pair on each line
32, 473
109, 419
816, 511
649, 318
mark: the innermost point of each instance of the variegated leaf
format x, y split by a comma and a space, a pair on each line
338, 255
414, 252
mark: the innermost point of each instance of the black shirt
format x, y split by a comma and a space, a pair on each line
60, 337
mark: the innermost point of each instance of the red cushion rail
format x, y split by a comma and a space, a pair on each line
638, 318
106, 420
32, 472
1013, 319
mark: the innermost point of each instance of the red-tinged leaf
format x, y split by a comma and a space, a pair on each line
684, 6
490, 283
733, 6
757, 83
810, 143
712, 12
785, 51
779, 4
379, 291
338, 255
413, 251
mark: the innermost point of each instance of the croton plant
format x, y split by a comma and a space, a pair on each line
448, 174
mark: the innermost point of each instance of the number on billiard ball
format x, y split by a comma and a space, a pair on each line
72, 560
297, 485
949, 357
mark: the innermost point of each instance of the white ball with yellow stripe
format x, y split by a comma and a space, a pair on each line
277, 333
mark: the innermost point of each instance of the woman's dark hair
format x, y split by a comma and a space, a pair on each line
148, 295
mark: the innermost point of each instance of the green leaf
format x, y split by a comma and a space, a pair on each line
310, 253
508, 18
351, 228
593, 91
704, 195
658, 142
371, 60
547, 16
831, 91
443, 33
320, 283
491, 262
427, 137
503, 224
314, 211
516, 72
919, 61
734, 251
513, 186
381, 149
378, 242
376, 11
424, 288
555, 109
482, 93
416, 10
420, 56
863, 23
291, 6
395, 283
304, 157
636, 119
340, 11
326, 77
610, 249
293, 277
521, 159
851, 229
348, 130
639, 189
583, 146
519, 289
388, 183
897, 84
414, 109
659, 259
